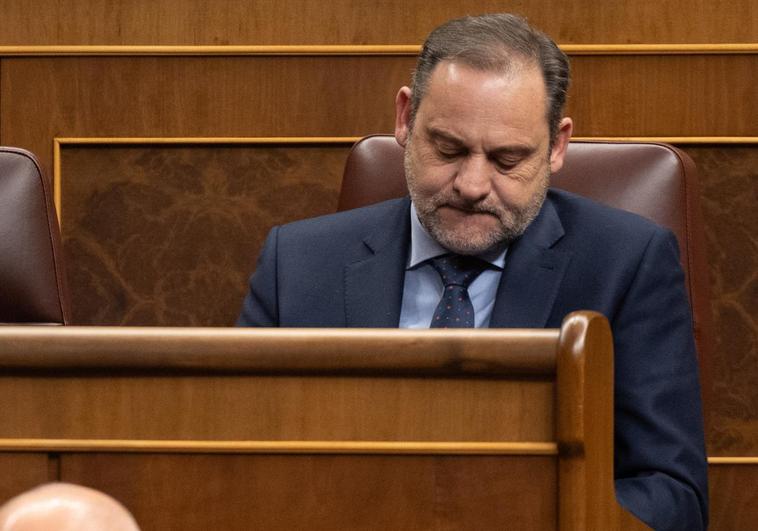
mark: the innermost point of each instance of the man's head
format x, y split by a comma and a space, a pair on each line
482, 129
65, 507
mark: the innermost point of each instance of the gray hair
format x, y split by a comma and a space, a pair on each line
494, 43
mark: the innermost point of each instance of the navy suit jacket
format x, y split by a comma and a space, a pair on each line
347, 270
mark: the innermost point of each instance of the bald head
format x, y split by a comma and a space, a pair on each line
65, 507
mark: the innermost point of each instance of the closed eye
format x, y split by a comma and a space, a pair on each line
506, 165
450, 153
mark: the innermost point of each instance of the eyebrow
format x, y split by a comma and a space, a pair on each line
436, 134
519, 151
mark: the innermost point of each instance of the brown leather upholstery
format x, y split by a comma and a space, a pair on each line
32, 284
654, 180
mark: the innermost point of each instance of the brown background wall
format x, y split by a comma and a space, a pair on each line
170, 22
166, 233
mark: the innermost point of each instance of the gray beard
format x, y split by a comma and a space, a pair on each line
513, 221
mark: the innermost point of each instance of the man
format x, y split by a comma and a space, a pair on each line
65, 507
483, 130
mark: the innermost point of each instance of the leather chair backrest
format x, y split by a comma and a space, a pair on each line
32, 282
654, 180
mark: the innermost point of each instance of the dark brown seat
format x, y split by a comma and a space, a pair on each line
32, 282
654, 180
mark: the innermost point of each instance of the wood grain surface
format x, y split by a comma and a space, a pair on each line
363, 22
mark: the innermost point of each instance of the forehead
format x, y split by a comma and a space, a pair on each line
471, 101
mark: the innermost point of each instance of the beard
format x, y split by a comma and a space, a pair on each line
511, 223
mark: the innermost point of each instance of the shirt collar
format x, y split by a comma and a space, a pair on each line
424, 247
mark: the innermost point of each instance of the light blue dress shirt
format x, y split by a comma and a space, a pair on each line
423, 286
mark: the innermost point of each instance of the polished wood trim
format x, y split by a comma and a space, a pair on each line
348, 140
159, 50
365, 50
210, 140
659, 49
57, 178
279, 447
483, 353
585, 426
735, 460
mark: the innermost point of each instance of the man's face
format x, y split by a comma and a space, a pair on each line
478, 159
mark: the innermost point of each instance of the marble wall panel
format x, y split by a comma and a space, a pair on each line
167, 235
729, 188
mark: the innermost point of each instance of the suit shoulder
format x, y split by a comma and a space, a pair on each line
591, 218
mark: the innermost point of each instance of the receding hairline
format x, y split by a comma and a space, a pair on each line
517, 69
510, 65
495, 42
494, 56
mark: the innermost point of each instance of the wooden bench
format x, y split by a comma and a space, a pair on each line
318, 429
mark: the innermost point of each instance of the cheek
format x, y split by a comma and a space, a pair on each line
509, 192
427, 160
518, 191
430, 175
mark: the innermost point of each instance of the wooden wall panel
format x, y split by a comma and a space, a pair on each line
729, 188
676, 95
22, 471
363, 22
733, 496
196, 97
664, 95
387, 492
168, 235
318, 408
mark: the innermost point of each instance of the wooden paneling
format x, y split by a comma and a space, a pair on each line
687, 95
168, 235
196, 97
22, 471
118, 386
276, 409
310, 492
733, 496
729, 188
672, 95
364, 22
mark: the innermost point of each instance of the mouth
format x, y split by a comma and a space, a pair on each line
466, 209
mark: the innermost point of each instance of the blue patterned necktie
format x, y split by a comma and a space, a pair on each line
457, 273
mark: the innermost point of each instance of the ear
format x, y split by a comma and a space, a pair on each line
402, 115
560, 145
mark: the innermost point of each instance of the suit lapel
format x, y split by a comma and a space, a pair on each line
374, 284
532, 275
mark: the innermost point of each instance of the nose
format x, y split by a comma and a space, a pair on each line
473, 180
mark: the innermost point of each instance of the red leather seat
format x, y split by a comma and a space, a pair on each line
32, 281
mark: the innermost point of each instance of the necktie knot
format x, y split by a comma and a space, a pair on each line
458, 270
